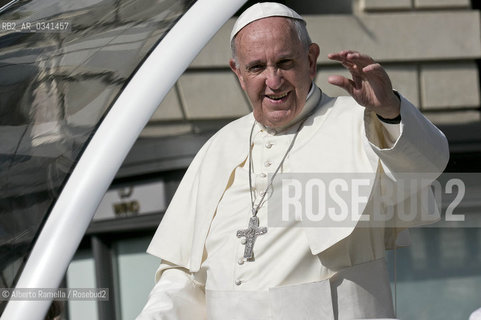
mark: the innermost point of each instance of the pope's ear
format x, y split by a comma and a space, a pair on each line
235, 68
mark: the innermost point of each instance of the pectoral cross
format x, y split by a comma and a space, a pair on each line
250, 235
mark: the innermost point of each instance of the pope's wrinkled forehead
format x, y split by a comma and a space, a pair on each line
260, 11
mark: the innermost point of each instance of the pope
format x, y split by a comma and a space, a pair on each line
223, 257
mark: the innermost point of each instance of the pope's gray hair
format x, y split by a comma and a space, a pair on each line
301, 31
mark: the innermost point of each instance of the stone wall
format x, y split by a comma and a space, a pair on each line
428, 47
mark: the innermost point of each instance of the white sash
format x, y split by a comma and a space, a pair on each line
358, 292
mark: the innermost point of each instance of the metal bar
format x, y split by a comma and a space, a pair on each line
104, 275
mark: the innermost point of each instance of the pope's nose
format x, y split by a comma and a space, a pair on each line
273, 78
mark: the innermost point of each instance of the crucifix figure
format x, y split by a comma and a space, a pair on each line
250, 235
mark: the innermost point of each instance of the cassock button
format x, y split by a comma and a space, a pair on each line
243, 241
269, 145
238, 282
240, 261
267, 163
263, 175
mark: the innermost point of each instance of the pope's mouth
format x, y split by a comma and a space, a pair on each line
277, 97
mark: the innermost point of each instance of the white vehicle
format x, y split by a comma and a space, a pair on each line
64, 138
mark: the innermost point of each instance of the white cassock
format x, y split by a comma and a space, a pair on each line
300, 271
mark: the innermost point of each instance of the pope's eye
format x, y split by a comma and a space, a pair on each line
285, 64
255, 68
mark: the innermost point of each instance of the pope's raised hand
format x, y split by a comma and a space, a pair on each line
370, 85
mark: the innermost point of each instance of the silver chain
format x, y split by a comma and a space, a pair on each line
255, 209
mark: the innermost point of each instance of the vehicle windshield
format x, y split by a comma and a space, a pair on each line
62, 65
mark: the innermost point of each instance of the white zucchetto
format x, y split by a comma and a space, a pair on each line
263, 10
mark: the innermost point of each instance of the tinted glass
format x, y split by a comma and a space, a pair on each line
62, 65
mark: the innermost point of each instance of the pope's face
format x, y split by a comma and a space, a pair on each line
274, 69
